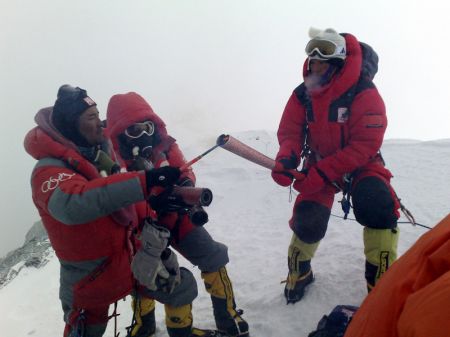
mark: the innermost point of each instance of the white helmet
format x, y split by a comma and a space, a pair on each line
325, 45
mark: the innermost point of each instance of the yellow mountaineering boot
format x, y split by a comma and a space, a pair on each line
380, 249
300, 273
179, 323
228, 319
144, 324
179, 320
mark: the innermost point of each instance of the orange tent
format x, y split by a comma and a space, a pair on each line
412, 299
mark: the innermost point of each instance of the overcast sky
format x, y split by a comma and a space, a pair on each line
206, 66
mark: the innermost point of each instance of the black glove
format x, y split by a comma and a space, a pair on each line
166, 202
282, 165
186, 182
163, 176
290, 162
170, 262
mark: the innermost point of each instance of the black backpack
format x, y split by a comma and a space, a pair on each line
335, 324
369, 61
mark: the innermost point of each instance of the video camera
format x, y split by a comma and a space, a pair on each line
184, 199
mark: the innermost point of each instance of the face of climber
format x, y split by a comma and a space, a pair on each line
318, 67
90, 126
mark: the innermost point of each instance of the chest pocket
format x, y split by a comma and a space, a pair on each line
339, 111
339, 114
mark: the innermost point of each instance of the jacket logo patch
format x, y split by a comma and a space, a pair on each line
342, 114
52, 183
89, 101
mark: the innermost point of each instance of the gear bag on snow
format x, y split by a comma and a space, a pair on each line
335, 324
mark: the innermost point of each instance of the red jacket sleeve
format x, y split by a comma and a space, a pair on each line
291, 131
367, 124
72, 199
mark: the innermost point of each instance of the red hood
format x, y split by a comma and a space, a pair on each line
349, 74
45, 141
126, 109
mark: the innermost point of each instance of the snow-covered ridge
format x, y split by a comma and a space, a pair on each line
437, 142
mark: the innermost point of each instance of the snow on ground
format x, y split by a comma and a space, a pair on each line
250, 214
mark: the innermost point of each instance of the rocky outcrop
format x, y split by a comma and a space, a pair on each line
34, 253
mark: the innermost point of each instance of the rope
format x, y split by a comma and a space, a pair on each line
414, 224
346, 206
136, 303
79, 329
115, 314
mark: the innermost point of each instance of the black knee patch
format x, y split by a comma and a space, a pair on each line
310, 221
373, 204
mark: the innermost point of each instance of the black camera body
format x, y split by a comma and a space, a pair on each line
184, 199
195, 198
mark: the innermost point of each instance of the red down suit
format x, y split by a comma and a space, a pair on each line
192, 241
343, 124
88, 218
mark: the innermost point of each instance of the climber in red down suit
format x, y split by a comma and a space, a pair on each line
140, 138
335, 121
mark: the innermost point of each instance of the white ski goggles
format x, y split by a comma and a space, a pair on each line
138, 129
324, 49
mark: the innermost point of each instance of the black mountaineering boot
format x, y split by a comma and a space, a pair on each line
295, 286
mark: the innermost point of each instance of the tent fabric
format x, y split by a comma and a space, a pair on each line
412, 298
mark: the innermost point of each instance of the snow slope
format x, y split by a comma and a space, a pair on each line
250, 214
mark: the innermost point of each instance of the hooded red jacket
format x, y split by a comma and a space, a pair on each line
343, 134
88, 218
127, 109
